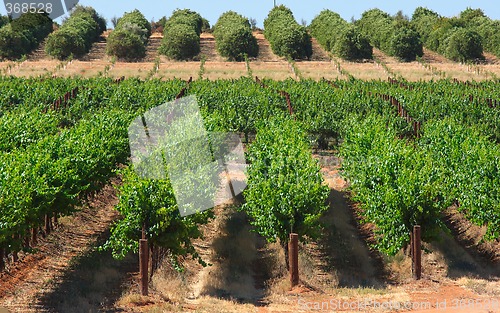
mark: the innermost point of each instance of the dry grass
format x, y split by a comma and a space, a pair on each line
481, 286
133, 299
182, 70
272, 70
266, 65
208, 304
364, 71
33, 69
84, 69
224, 70
170, 284
140, 70
317, 70
412, 71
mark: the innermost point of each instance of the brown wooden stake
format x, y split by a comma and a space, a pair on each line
412, 253
34, 232
293, 248
417, 252
143, 265
2, 262
47, 224
15, 257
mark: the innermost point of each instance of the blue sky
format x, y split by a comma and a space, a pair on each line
306, 10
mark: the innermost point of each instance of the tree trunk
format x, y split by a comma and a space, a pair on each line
2, 262
284, 245
34, 239
47, 225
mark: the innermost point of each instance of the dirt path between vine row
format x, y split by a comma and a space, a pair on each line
68, 273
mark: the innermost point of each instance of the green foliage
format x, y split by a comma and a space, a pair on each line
126, 45
394, 36
352, 45
470, 14
205, 26
4, 20
65, 43
376, 25
136, 18
406, 44
324, 27
50, 162
337, 36
129, 39
234, 38
423, 21
459, 39
76, 35
151, 203
285, 193
180, 42
489, 30
38, 25
471, 169
13, 44
421, 12
24, 34
288, 38
101, 22
188, 17
397, 185
181, 37
462, 45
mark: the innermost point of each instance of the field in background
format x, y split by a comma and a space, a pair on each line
211, 65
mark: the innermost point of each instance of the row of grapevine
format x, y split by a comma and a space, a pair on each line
80, 158
129, 39
234, 38
48, 175
472, 105
181, 37
395, 183
24, 34
77, 33
285, 192
339, 37
286, 36
400, 185
394, 37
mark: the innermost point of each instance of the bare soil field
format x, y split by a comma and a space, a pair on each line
339, 273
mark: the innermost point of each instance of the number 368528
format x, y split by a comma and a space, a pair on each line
21, 8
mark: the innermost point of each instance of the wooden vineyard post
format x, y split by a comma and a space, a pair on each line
15, 256
417, 252
293, 255
2, 262
34, 232
143, 265
56, 222
47, 224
